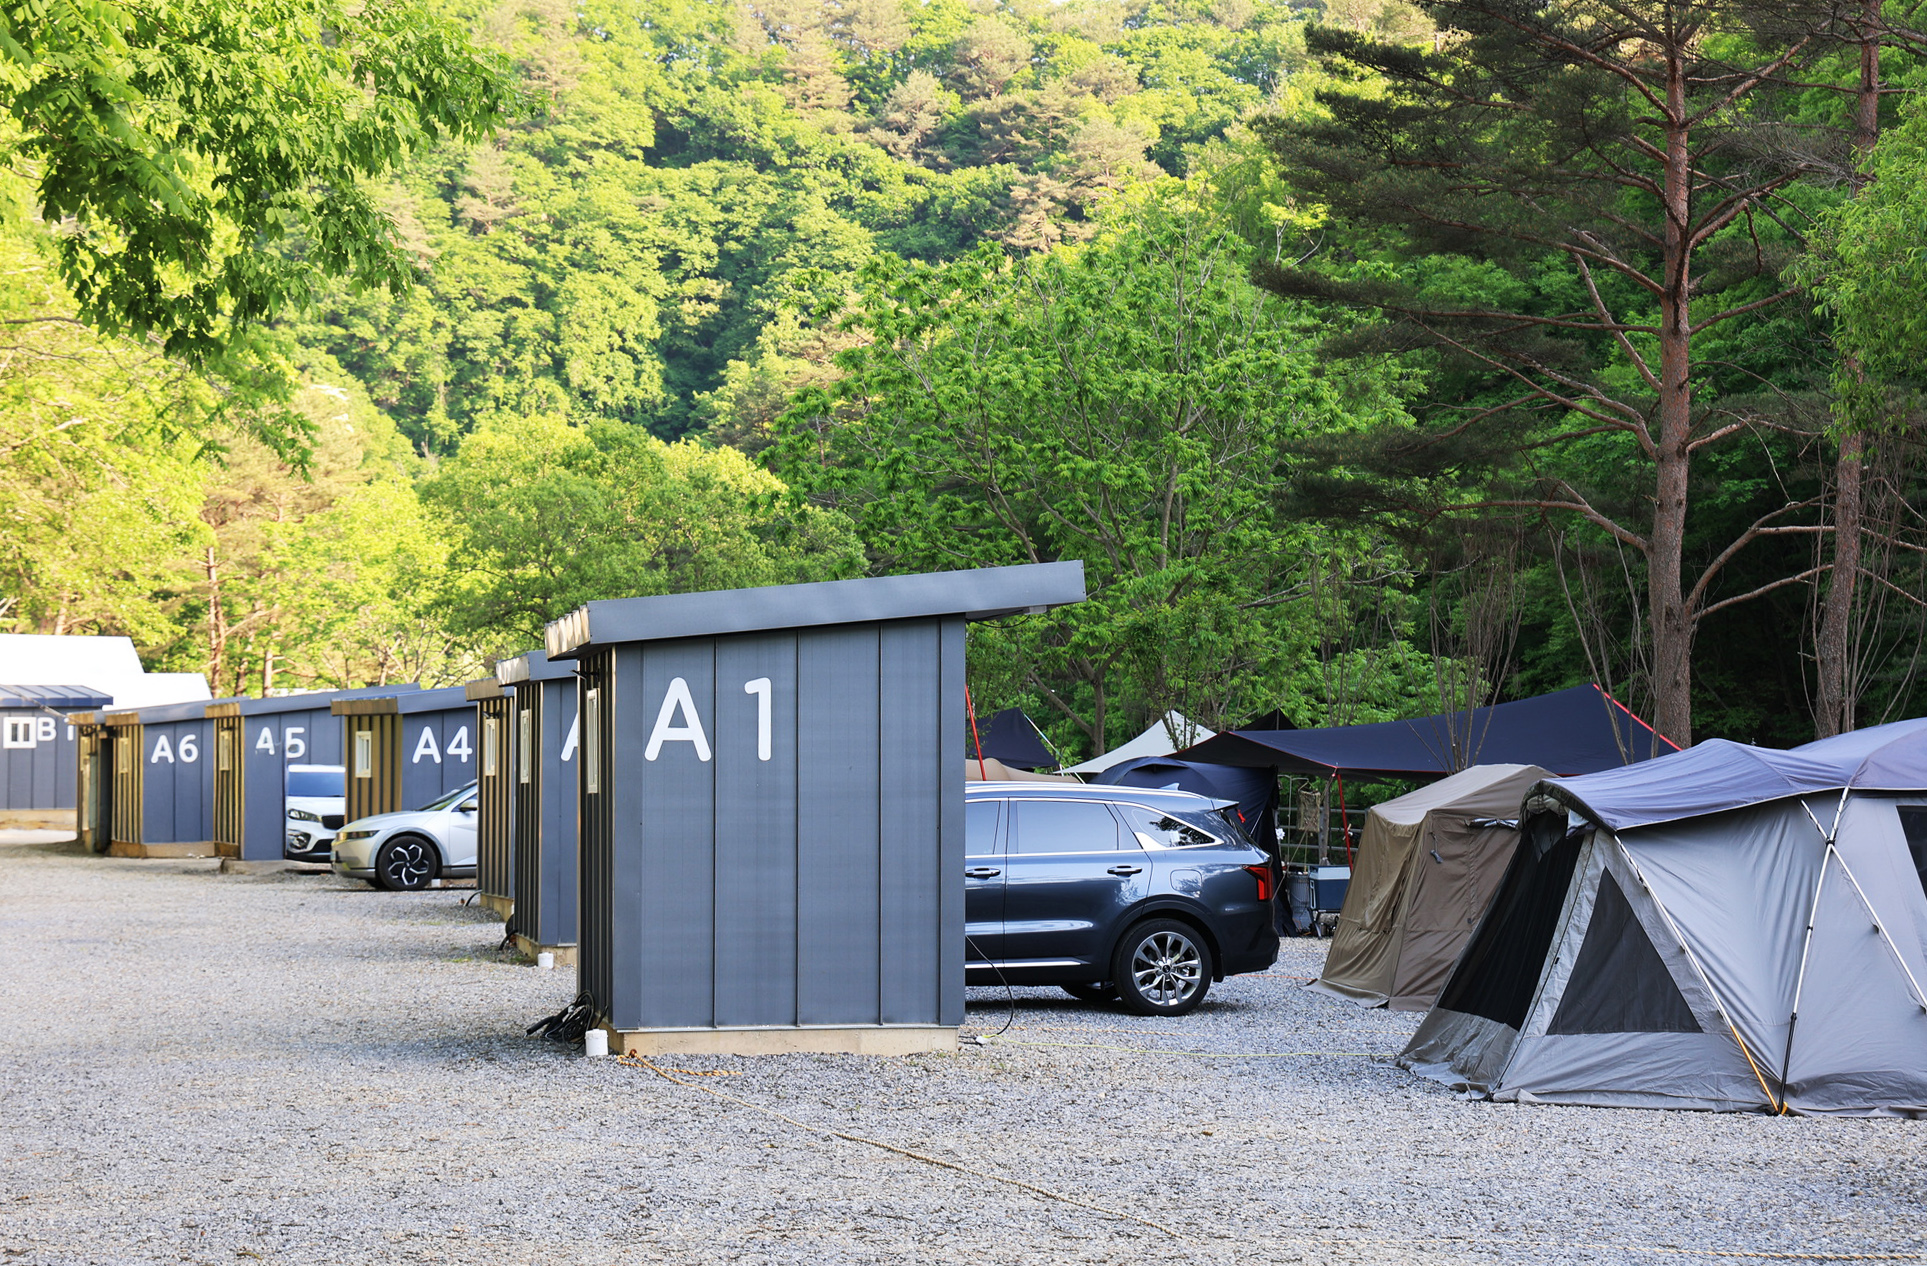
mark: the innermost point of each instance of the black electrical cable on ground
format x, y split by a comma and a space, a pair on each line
1010, 996
568, 1024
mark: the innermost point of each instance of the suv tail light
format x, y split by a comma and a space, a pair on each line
1263, 875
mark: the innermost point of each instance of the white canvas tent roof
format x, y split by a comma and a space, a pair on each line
107, 664
1155, 741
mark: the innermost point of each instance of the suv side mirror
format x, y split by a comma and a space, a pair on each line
465, 807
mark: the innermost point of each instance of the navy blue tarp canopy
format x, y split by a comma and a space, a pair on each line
1255, 789
1011, 737
1716, 775
1577, 731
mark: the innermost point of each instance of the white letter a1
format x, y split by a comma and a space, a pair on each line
675, 701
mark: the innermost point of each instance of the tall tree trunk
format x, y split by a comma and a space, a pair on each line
216, 627
1835, 696
1673, 625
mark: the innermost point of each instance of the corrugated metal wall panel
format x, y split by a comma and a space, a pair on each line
674, 834
39, 762
556, 868
950, 817
755, 923
908, 796
270, 743
837, 897
178, 782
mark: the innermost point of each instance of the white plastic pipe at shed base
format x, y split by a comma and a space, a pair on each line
545, 960
595, 1043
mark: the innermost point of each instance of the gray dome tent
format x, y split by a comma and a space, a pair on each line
1728, 928
1428, 864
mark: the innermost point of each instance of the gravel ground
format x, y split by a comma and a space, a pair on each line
289, 1068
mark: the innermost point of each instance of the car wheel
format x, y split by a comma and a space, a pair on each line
405, 864
1104, 992
1162, 967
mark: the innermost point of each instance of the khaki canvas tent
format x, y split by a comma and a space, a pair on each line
990, 769
1427, 865
1729, 928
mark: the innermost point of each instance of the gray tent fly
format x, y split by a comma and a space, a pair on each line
1728, 928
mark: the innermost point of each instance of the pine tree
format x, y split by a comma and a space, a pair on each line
1603, 158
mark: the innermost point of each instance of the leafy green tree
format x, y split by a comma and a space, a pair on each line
545, 516
1127, 403
187, 142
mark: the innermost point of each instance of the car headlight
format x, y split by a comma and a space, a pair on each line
358, 835
302, 815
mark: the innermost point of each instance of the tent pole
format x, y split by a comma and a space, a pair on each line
1806, 948
971, 708
1706, 981
1880, 930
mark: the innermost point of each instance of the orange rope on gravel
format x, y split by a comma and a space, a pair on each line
1817, 1255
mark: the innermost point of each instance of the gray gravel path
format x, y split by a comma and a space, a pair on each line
288, 1068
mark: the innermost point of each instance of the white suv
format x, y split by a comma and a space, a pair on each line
315, 797
405, 851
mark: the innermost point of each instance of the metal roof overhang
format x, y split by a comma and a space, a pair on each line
981, 594
59, 698
405, 703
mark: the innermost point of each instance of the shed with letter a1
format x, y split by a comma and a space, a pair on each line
771, 806
402, 750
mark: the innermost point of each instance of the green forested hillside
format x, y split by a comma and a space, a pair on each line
692, 177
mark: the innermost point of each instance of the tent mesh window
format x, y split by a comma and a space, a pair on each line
1619, 984
1913, 822
1499, 970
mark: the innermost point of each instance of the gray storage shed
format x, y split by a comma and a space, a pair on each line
402, 750
39, 762
159, 801
544, 736
255, 740
771, 809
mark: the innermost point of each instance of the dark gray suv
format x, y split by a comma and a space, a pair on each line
1112, 892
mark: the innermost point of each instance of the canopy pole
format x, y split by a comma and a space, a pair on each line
971, 708
1719, 1007
1344, 818
1880, 930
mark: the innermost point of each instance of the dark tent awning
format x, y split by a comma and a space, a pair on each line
1253, 788
1577, 731
58, 698
1011, 737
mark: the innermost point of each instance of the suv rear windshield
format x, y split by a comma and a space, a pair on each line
317, 782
